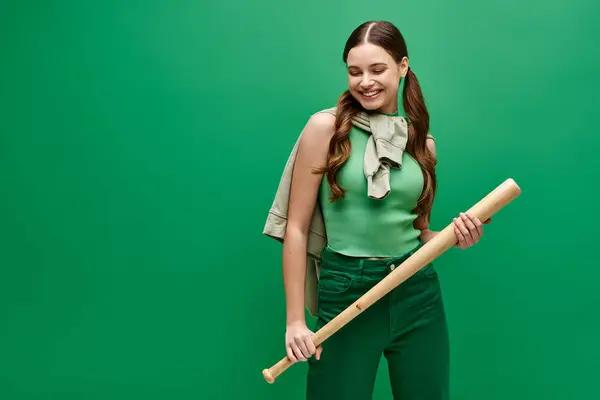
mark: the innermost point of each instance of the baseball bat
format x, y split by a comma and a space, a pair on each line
445, 239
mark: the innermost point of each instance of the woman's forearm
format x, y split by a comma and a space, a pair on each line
294, 275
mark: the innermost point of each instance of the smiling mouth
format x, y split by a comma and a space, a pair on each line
371, 94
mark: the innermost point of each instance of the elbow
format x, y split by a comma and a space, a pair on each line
421, 223
295, 244
295, 234
424, 233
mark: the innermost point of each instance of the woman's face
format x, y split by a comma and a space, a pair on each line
374, 77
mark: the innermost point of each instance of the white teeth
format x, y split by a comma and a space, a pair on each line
371, 94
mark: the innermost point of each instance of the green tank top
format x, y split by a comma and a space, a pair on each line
357, 225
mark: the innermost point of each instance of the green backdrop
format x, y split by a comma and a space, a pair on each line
142, 143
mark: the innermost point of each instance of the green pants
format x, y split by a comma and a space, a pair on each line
407, 326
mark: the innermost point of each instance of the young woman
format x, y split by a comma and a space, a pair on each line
368, 237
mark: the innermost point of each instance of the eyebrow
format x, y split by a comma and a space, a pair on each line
372, 65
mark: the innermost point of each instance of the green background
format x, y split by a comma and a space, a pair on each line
142, 143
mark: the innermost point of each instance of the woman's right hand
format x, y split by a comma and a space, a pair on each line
299, 344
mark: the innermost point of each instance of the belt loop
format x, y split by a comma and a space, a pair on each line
361, 268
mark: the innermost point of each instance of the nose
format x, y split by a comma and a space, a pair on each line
366, 81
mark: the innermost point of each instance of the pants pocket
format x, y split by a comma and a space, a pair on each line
335, 293
334, 282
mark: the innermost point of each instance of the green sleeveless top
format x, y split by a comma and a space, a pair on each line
357, 225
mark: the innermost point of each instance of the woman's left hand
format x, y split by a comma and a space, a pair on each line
468, 230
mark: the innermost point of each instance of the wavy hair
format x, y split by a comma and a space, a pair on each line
387, 36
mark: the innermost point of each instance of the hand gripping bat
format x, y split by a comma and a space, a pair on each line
445, 239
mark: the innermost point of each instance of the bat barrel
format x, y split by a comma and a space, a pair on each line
497, 199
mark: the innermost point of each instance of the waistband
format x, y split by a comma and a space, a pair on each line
332, 260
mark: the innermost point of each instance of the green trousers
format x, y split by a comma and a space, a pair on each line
407, 326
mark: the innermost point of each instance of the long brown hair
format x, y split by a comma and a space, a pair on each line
387, 36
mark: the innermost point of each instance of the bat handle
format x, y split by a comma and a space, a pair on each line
270, 374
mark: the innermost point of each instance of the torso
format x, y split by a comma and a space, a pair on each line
359, 226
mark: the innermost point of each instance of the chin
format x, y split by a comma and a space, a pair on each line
371, 104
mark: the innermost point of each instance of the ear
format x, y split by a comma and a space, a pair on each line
403, 67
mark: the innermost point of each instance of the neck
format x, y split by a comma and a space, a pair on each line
389, 109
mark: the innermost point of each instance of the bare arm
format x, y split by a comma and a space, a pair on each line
312, 152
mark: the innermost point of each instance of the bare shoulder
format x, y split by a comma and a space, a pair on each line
312, 153
317, 133
322, 119
430, 142
320, 125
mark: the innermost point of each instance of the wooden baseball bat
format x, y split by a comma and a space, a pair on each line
445, 239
